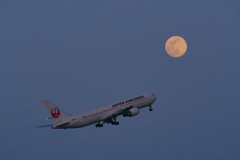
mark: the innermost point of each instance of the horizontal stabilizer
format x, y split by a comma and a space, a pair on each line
49, 125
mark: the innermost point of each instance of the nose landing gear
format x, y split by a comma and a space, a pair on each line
150, 108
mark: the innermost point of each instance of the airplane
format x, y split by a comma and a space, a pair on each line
98, 116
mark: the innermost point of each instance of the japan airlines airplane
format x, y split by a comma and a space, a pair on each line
105, 114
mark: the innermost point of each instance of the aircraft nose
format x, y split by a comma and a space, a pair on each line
154, 98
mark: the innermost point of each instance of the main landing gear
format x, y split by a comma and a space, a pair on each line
150, 108
98, 125
114, 122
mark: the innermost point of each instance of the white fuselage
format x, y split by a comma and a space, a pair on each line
101, 113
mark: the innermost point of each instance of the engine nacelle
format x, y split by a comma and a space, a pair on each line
132, 112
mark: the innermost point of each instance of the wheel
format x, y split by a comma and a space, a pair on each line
96, 125
117, 123
101, 125
150, 109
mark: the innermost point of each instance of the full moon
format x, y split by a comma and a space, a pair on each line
176, 46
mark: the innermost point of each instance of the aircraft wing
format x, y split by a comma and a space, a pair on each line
118, 113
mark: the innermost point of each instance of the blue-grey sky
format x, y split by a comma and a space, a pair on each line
85, 54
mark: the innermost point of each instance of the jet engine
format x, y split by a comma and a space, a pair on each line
132, 112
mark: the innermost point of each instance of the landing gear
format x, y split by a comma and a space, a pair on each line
98, 125
114, 122
150, 108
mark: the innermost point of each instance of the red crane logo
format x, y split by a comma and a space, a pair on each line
55, 112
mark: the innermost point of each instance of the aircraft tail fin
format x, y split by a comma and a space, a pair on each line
54, 111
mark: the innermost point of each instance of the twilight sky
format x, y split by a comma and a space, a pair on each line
85, 54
